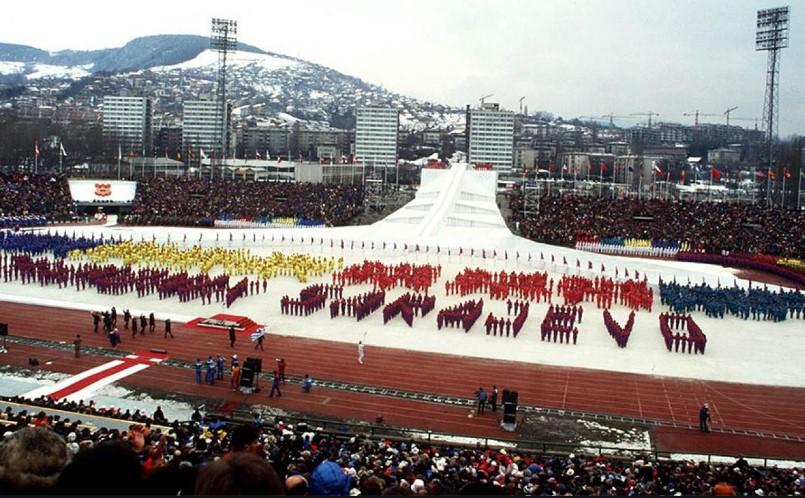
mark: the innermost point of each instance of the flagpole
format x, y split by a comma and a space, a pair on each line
782, 195
119, 157
61, 166
768, 189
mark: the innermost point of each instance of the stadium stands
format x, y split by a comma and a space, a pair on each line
705, 226
194, 202
309, 459
30, 197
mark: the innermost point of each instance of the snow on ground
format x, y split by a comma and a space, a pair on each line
634, 439
237, 58
51, 71
737, 350
15, 383
696, 458
11, 67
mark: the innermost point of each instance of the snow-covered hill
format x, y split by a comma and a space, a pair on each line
173, 68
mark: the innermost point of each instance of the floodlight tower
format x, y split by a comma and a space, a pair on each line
223, 39
771, 37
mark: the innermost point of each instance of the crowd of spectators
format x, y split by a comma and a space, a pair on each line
46, 195
257, 458
707, 226
195, 202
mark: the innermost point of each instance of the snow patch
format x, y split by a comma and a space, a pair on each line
234, 59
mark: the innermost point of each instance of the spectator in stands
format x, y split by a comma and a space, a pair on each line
109, 468
23, 195
31, 461
707, 226
242, 474
191, 201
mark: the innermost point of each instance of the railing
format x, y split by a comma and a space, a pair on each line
337, 427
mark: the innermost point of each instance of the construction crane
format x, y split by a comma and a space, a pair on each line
485, 97
521, 104
696, 115
647, 113
727, 113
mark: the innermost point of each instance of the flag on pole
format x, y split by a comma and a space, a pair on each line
119, 153
61, 150
257, 154
202, 154
36, 149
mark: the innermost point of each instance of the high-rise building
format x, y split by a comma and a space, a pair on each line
204, 126
376, 136
490, 136
128, 125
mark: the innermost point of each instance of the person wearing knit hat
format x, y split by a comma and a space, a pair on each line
31, 460
329, 480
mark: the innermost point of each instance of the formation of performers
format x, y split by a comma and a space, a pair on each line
409, 305
634, 294
359, 306
757, 303
693, 342
239, 289
234, 261
502, 285
620, 334
464, 314
559, 324
418, 278
36, 244
113, 280
311, 299
495, 324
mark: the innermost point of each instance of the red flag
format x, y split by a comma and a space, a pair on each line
552, 168
786, 174
603, 167
772, 175
760, 174
715, 174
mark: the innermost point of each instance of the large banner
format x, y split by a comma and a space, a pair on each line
103, 191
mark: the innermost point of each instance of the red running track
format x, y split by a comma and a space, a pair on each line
734, 406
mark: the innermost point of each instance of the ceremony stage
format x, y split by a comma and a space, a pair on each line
454, 223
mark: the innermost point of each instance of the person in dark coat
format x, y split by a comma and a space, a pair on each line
143, 323
77, 345
481, 395
704, 418
168, 328
231, 336
152, 323
493, 398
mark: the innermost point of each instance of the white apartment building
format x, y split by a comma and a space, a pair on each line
203, 126
490, 136
376, 136
128, 125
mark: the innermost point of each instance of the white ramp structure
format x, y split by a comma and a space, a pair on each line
449, 200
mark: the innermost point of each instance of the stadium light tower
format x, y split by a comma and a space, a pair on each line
771, 37
223, 39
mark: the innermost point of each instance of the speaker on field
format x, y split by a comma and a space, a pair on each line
246, 377
3, 329
509, 420
255, 364
509, 396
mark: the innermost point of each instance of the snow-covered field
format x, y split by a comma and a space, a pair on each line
737, 350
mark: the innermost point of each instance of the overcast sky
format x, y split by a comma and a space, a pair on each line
572, 58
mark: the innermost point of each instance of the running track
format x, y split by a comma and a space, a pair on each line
734, 406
